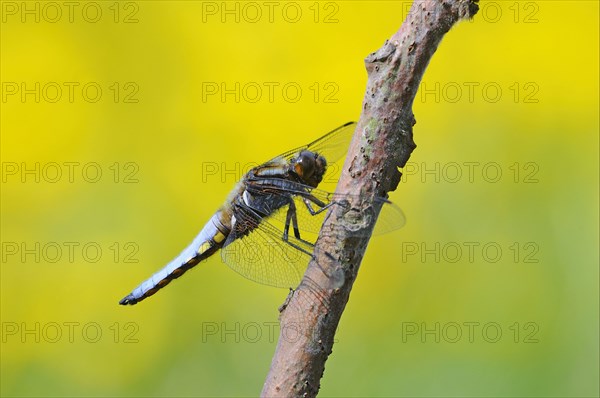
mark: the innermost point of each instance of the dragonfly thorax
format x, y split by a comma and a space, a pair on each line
309, 167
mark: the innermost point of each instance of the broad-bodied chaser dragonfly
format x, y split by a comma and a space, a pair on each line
252, 228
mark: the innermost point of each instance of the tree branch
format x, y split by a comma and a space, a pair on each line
382, 143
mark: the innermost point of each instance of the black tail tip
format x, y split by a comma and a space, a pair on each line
128, 300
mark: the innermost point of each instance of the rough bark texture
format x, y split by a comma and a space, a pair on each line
382, 143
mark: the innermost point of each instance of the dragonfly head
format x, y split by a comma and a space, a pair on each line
309, 167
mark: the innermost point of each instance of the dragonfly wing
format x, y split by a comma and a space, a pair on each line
390, 218
333, 145
261, 254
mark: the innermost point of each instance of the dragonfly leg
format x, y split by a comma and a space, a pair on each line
308, 201
292, 218
297, 247
288, 218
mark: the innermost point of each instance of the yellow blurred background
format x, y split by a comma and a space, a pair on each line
125, 124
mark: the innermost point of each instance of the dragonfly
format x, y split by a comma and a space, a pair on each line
267, 227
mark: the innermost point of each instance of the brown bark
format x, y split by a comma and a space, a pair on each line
382, 143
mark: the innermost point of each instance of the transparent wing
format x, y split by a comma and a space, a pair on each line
390, 217
333, 145
261, 255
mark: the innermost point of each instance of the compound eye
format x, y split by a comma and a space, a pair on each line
305, 165
321, 163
